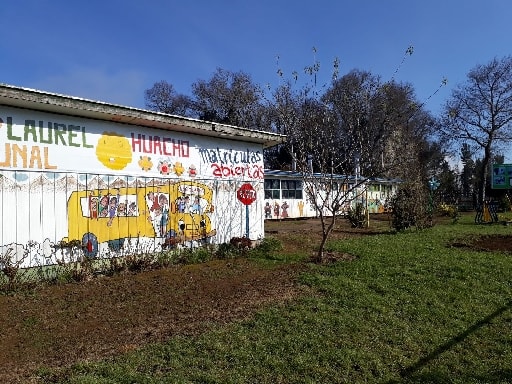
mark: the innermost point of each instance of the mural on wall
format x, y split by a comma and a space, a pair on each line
376, 204
175, 212
62, 143
115, 189
100, 218
113, 151
281, 209
268, 210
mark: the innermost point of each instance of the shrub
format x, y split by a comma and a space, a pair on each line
504, 204
166, 258
115, 265
269, 245
241, 242
12, 276
448, 210
357, 216
77, 270
139, 262
266, 248
227, 251
410, 206
73, 266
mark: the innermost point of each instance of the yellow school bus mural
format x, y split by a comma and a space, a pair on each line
175, 213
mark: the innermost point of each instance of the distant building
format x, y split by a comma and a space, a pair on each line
114, 180
285, 195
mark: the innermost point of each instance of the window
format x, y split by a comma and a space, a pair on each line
291, 189
374, 188
272, 189
283, 189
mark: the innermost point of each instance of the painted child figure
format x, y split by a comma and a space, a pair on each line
93, 206
164, 218
112, 208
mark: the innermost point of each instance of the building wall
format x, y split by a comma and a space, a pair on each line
118, 188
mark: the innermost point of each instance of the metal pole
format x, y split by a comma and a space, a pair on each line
367, 210
247, 221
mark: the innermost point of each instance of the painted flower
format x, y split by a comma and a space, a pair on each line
179, 169
145, 163
192, 171
164, 168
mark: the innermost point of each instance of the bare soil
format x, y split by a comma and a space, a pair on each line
56, 326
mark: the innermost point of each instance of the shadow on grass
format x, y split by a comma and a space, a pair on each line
409, 372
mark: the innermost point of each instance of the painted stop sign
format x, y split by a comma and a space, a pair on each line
246, 194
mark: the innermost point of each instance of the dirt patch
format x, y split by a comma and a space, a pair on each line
59, 325
502, 243
303, 236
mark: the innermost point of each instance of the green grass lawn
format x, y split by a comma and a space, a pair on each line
410, 309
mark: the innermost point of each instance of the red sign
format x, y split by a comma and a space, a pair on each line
246, 194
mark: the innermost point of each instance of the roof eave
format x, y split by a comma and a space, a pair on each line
67, 105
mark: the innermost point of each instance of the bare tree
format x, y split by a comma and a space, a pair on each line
283, 112
468, 169
356, 100
479, 112
343, 136
229, 98
314, 137
163, 98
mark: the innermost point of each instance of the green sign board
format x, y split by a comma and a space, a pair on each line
502, 176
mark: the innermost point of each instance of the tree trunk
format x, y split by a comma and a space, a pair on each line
484, 172
327, 228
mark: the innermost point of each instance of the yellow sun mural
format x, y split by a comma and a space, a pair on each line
114, 150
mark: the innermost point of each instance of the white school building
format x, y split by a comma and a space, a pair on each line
114, 180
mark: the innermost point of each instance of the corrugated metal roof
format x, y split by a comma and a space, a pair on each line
298, 175
74, 106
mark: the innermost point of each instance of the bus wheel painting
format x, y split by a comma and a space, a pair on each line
90, 245
170, 239
116, 245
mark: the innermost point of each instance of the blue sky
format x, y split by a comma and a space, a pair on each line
113, 50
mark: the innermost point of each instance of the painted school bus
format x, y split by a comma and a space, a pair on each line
174, 213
